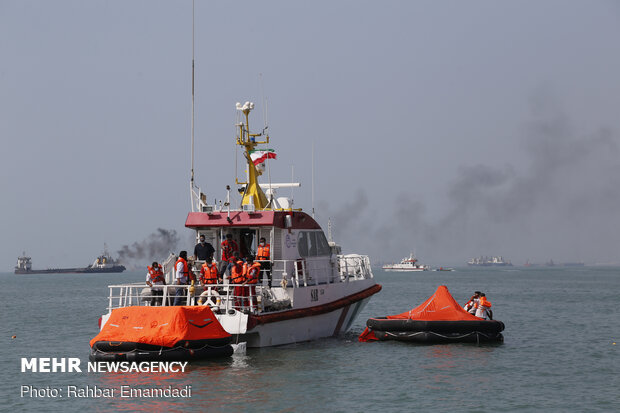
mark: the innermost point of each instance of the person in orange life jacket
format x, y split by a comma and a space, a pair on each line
252, 271
229, 250
484, 308
155, 276
237, 276
263, 255
208, 273
183, 276
203, 251
472, 304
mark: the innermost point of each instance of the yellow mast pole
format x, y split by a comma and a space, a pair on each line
253, 194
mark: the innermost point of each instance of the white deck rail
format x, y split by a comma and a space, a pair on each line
285, 274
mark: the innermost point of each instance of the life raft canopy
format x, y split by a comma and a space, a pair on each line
161, 333
439, 319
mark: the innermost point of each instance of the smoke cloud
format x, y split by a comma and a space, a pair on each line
561, 204
156, 246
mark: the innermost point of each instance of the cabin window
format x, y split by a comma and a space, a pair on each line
322, 244
302, 243
312, 244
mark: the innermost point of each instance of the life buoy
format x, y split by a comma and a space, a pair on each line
210, 297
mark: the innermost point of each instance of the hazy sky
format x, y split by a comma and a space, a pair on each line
453, 128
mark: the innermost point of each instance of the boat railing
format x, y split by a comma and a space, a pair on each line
257, 298
222, 298
354, 266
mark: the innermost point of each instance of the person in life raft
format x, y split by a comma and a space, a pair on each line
472, 304
484, 308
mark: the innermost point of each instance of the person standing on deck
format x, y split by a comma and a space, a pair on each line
252, 271
203, 251
263, 256
155, 276
230, 249
182, 277
209, 273
237, 276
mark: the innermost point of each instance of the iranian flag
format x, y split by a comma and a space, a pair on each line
259, 157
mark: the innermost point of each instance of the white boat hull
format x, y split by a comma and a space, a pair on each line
316, 324
303, 329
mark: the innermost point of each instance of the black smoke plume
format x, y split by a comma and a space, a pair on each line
155, 247
562, 203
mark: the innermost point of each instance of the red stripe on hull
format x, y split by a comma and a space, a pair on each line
341, 320
254, 320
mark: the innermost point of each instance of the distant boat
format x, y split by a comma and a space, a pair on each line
407, 265
550, 263
489, 262
443, 269
102, 264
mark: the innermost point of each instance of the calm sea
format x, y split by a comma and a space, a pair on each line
559, 352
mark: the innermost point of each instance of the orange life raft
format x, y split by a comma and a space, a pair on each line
439, 319
143, 333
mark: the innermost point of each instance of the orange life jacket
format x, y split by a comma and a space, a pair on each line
228, 247
209, 273
484, 302
156, 274
186, 272
251, 273
263, 252
237, 275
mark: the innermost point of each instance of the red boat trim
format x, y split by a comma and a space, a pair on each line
341, 320
254, 320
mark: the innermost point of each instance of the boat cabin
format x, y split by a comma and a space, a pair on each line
300, 252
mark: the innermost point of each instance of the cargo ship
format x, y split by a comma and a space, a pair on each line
102, 264
489, 262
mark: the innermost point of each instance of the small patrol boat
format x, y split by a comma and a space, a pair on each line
439, 319
406, 265
307, 290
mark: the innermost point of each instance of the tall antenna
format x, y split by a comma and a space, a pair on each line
191, 183
312, 179
262, 92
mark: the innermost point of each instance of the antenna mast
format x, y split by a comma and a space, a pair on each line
191, 183
312, 179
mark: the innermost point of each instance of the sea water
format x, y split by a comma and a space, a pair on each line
559, 354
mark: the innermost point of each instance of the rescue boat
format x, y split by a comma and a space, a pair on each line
406, 265
439, 319
307, 290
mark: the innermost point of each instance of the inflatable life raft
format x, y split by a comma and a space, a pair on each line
176, 333
440, 319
